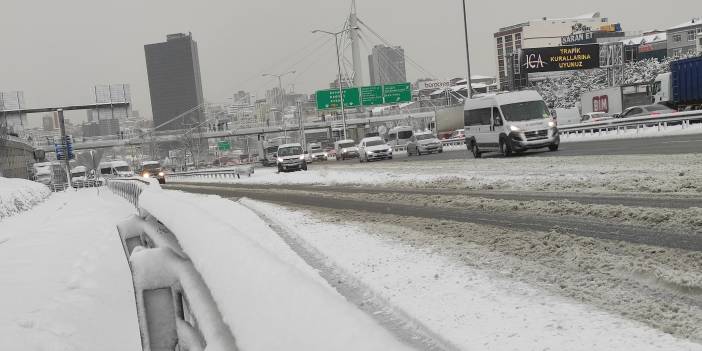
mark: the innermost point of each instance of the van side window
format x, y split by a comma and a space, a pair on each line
477, 117
497, 116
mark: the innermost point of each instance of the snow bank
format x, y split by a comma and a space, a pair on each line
64, 281
473, 309
626, 173
17, 195
268, 296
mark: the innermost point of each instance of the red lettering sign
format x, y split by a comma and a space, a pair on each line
600, 104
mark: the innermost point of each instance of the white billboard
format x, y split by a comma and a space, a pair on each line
434, 85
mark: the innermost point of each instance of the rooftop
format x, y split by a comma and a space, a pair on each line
693, 22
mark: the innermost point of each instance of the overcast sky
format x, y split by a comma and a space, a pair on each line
55, 51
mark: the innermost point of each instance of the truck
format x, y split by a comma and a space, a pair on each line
681, 88
267, 150
448, 120
614, 100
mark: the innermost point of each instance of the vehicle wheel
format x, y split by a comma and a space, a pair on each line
419, 153
280, 169
475, 150
360, 159
304, 167
390, 158
505, 148
553, 147
441, 151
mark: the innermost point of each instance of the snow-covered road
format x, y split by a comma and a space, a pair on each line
64, 281
470, 307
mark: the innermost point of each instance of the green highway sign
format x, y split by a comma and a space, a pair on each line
224, 146
395, 93
364, 96
372, 95
329, 99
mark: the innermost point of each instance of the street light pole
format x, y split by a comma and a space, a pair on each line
338, 65
469, 86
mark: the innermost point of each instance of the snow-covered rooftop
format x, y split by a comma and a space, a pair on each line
646, 39
693, 22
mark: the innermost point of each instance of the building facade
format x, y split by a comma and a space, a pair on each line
682, 39
387, 65
12, 122
548, 32
175, 83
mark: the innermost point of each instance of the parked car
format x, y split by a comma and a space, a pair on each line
458, 134
290, 157
374, 148
316, 152
646, 110
345, 149
424, 143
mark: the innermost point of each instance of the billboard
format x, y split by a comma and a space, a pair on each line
560, 58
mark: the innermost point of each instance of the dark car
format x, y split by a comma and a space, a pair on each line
152, 169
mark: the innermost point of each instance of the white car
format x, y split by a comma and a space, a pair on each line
374, 148
345, 149
290, 157
316, 152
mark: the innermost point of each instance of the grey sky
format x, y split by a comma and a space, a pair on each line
56, 50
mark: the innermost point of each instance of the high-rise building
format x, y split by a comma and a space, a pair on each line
387, 65
47, 123
175, 84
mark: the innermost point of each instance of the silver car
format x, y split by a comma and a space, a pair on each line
424, 143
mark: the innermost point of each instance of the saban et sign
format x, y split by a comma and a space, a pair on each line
561, 58
578, 38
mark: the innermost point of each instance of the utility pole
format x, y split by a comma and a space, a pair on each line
355, 50
338, 65
469, 86
64, 145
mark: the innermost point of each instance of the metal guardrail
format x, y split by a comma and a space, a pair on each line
229, 173
663, 120
175, 308
444, 142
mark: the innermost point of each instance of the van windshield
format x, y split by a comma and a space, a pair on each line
525, 111
290, 151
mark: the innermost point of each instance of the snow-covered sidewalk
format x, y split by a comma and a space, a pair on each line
469, 307
64, 281
17, 195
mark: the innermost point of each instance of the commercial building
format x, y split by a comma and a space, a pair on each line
175, 83
387, 65
548, 32
648, 46
49, 122
682, 39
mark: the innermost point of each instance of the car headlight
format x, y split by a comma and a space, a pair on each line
344, 151
369, 152
280, 160
515, 129
146, 174
302, 157
389, 150
552, 124
161, 174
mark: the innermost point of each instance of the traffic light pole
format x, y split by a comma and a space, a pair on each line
64, 145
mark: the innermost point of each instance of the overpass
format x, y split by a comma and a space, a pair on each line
177, 135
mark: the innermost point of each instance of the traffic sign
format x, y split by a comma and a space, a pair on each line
372, 95
330, 99
395, 93
224, 145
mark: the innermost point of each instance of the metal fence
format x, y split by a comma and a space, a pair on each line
228, 173
684, 119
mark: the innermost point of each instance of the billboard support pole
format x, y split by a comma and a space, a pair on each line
469, 86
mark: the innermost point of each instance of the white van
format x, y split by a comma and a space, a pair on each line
509, 122
116, 169
399, 136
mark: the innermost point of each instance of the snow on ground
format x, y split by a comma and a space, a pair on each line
629, 173
470, 307
17, 195
64, 281
645, 132
270, 298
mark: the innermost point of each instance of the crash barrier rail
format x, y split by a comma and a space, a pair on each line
227, 173
617, 124
444, 142
175, 308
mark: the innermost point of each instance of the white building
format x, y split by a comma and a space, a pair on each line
545, 32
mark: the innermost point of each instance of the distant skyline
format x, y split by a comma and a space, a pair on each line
55, 51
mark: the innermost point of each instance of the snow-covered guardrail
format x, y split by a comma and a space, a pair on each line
662, 120
444, 142
235, 172
174, 305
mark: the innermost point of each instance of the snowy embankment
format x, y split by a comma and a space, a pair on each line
633, 133
270, 298
17, 195
65, 283
630, 173
473, 308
